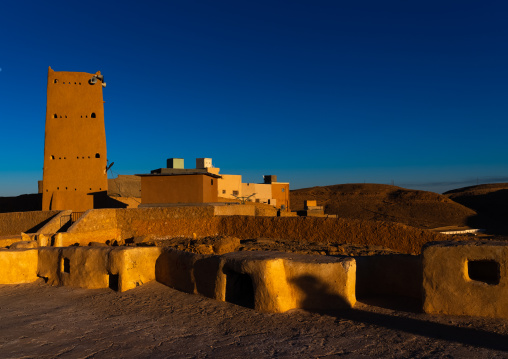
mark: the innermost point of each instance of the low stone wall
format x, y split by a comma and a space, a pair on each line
265, 281
396, 236
173, 221
18, 266
466, 278
236, 210
120, 269
120, 224
17, 222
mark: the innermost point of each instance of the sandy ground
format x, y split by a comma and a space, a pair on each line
154, 321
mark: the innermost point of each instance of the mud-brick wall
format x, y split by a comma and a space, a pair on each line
17, 222
387, 234
169, 221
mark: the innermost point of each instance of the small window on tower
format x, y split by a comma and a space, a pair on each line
55, 116
97, 155
92, 115
55, 81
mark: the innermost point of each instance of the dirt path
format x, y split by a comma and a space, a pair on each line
158, 322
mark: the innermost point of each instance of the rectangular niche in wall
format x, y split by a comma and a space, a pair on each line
485, 270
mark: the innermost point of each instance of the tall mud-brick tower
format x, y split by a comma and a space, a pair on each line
75, 161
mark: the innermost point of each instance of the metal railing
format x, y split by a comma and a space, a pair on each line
69, 219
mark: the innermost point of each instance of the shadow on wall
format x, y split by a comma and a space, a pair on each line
102, 200
40, 225
316, 296
23, 203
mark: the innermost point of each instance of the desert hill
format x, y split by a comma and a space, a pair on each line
490, 201
387, 203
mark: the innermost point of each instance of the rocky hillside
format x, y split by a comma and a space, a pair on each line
387, 203
490, 201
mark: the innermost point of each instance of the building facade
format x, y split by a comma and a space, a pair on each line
74, 173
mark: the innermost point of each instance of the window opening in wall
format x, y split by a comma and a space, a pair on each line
58, 188
74, 83
239, 289
55, 81
66, 265
63, 83
60, 116
82, 158
86, 116
65, 116
487, 271
80, 83
52, 157
223, 191
88, 156
235, 193
92, 115
59, 158
113, 281
65, 158
97, 155
55, 116
283, 189
65, 187
211, 182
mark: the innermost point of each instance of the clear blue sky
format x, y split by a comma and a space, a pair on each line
316, 92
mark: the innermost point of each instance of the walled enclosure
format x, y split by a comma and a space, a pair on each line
74, 173
101, 225
264, 281
466, 278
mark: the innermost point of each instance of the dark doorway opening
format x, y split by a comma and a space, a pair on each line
239, 289
66, 265
113, 281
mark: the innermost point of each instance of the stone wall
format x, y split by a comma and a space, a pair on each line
396, 236
17, 222
121, 224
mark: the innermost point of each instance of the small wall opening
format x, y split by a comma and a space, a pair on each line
97, 155
92, 115
55, 116
487, 271
113, 281
239, 289
66, 265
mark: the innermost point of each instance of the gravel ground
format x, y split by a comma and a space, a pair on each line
154, 321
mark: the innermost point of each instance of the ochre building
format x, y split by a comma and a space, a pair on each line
75, 161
